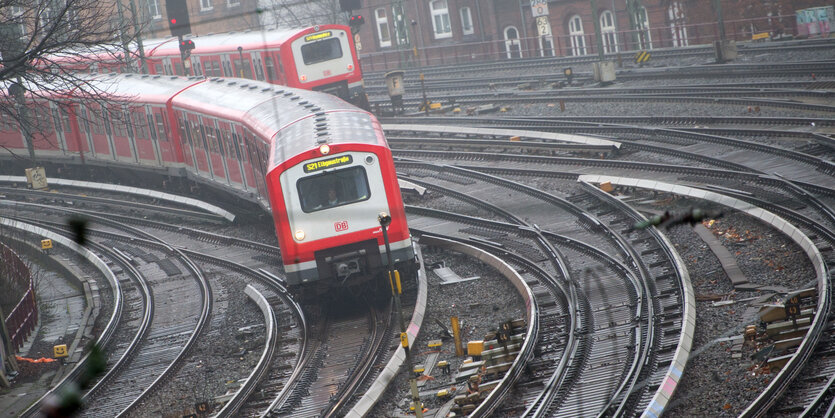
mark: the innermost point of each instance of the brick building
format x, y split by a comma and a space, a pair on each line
450, 31
206, 16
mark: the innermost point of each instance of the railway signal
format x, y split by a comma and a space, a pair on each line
178, 22
355, 22
186, 46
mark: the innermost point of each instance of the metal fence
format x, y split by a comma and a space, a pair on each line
614, 42
22, 319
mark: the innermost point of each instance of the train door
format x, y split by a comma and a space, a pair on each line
200, 146
271, 69
236, 138
217, 153
87, 122
186, 140
100, 132
60, 128
74, 133
196, 68
143, 143
257, 66
123, 145
153, 134
166, 66
165, 142
257, 163
231, 155
227, 66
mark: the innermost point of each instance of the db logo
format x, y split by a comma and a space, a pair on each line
340, 226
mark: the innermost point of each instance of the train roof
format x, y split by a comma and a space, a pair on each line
125, 87
299, 117
229, 42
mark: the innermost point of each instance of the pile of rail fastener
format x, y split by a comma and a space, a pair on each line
488, 361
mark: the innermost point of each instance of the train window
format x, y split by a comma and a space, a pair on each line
85, 119
321, 51
162, 131
149, 119
57, 120
65, 118
236, 140
139, 126
336, 188
105, 121
120, 127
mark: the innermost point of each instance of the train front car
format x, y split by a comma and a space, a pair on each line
324, 59
332, 175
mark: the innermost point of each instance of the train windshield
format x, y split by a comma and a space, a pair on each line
321, 51
332, 189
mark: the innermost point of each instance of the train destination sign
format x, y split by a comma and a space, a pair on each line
329, 163
318, 36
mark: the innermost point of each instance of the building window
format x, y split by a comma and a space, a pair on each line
383, 32
607, 29
578, 39
643, 35
17, 13
440, 19
467, 21
153, 9
206, 5
513, 47
675, 14
233, 3
45, 18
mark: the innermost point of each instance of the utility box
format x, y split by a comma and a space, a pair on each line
604, 71
36, 178
725, 50
394, 83
474, 348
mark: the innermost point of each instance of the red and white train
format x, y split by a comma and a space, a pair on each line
322, 165
320, 58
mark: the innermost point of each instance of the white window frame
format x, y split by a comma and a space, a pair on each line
382, 22
467, 18
607, 32
206, 5
153, 9
577, 35
678, 30
440, 15
510, 43
233, 3
17, 11
44, 17
646, 43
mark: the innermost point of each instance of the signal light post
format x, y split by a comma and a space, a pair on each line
394, 282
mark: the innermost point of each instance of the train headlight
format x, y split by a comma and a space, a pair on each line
325, 149
299, 235
350, 67
303, 77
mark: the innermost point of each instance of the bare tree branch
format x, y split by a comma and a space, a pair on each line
45, 45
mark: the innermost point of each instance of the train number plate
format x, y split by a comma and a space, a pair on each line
340, 226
